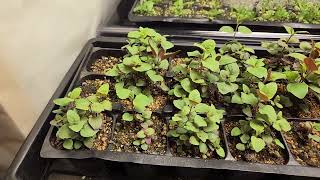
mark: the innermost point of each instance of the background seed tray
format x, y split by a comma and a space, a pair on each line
292, 167
143, 19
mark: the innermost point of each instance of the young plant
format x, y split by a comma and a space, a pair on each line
177, 8
255, 131
147, 60
78, 119
315, 137
146, 134
307, 12
146, 7
273, 11
197, 124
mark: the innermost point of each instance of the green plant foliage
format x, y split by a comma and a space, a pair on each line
197, 124
78, 118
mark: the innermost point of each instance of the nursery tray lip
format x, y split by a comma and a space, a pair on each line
142, 18
48, 151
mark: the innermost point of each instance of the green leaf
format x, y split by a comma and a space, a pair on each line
201, 108
257, 143
142, 67
249, 98
140, 102
153, 76
64, 132
82, 104
292, 75
68, 144
178, 91
186, 85
132, 61
289, 29
95, 122
235, 131
179, 104
104, 89
203, 148
88, 142
278, 142
107, 105
220, 151
297, 56
305, 46
183, 137
314, 137
164, 64
236, 99
315, 88
127, 117
166, 45
257, 126
267, 138
63, 101
75, 93
203, 136
193, 141
97, 107
226, 59
196, 77
149, 131
211, 64
190, 127
269, 89
199, 121
245, 138
259, 72
226, 29
73, 117
92, 98
87, 131
77, 127
136, 143
300, 90
244, 30
225, 88
133, 49
124, 69
269, 111
77, 144
121, 92
141, 134
277, 75
241, 147
195, 96
144, 147
113, 72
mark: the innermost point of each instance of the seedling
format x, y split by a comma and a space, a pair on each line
314, 137
78, 119
197, 124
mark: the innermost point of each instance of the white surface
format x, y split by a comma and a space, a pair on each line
39, 40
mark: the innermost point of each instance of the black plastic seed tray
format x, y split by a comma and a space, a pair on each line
109, 46
143, 19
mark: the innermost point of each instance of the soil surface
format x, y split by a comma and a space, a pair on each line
270, 155
102, 139
312, 104
306, 151
125, 133
104, 135
90, 87
104, 64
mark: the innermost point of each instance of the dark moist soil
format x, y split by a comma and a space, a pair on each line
270, 155
104, 64
90, 87
125, 133
101, 142
312, 103
306, 151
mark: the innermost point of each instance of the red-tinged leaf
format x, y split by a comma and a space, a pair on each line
262, 96
269, 75
170, 55
161, 54
148, 140
311, 65
314, 54
154, 53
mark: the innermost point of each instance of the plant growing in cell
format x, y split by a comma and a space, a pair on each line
315, 137
147, 60
146, 7
178, 8
259, 106
79, 119
212, 74
197, 124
